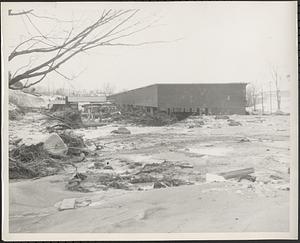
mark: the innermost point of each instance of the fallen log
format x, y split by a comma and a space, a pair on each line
237, 173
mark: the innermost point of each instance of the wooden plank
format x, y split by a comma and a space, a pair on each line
237, 173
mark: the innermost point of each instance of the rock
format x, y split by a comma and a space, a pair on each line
121, 130
214, 178
67, 204
54, 145
243, 140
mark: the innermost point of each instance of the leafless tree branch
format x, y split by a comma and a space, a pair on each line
10, 13
90, 37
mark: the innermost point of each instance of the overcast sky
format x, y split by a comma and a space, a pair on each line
207, 42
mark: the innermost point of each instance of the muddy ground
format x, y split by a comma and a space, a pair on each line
179, 156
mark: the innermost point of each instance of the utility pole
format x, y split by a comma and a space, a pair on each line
270, 99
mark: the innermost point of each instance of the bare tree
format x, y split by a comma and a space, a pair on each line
276, 77
252, 95
107, 89
111, 27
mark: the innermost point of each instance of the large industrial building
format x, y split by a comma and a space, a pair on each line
201, 98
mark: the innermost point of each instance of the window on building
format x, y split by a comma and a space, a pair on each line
191, 109
228, 97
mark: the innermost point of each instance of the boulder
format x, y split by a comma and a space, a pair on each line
54, 145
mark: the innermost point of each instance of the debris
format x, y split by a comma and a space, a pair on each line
143, 178
158, 184
74, 142
54, 145
118, 185
237, 173
275, 177
234, 123
121, 130
238, 192
15, 112
247, 177
221, 117
243, 140
74, 183
67, 204
68, 118
140, 117
185, 165
134, 165
72, 203
82, 202
283, 187
214, 178
31, 161
108, 167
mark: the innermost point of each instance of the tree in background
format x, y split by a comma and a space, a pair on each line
107, 89
252, 95
276, 78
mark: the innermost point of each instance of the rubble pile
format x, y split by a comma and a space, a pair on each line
65, 119
159, 175
44, 158
31, 161
75, 143
15, 112
140, 117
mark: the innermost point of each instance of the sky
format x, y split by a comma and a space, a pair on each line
203, 42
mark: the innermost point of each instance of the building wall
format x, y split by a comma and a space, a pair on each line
146, 96
218, 98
